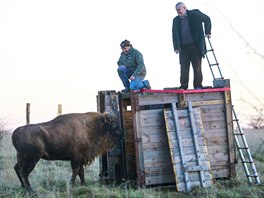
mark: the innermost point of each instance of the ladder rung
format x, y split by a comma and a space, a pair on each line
210, 50
238, 133
248, 162
214, 64
236, 120
252, 175
242, 147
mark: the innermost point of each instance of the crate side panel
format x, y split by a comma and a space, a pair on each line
156, 152
214, 121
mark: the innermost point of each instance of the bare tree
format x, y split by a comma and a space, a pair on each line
3, 130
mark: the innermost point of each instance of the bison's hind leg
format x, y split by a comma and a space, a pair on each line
17, 168
25, 164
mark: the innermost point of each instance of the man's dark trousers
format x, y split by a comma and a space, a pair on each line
191, 54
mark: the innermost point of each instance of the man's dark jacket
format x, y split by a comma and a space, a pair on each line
196, 19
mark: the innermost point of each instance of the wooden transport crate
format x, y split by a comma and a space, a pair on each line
216, 112
145, 155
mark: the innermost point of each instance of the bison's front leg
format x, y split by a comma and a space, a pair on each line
75, 165
81, 175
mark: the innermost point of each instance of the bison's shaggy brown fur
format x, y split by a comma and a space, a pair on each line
77, 137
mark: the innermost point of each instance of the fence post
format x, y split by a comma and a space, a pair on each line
28, 113
59, 109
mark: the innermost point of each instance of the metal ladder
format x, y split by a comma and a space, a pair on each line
242, 147
215, 63
239, 136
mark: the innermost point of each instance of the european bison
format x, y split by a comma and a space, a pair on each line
77, 137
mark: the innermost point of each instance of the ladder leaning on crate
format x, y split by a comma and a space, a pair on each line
239, 136
242, 147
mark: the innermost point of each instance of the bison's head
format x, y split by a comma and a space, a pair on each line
112, 125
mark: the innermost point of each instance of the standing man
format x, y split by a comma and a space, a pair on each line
189, 41
131, 68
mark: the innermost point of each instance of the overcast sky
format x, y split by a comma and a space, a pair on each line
63, 51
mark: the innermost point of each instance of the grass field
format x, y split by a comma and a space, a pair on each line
51, 178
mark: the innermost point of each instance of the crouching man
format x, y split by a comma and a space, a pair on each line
131, 68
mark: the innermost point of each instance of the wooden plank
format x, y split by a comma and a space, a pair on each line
138, 147
197, 168
186, 133
216, 140
159, 170
219, 163
218, 148
184, 124
213, 116
212, 109
151, 114
152, 123
157, 129
194, 176
195, 184
178, 170
221, 173
157, 98
230, 133
215, 133
204, 96
156, 154
157, 162
221, 167
188, 150
154, 146
163, 179
214, 125
186, 141
153, 138
216, 157
152, 117
190, 158
206, 103
189, 155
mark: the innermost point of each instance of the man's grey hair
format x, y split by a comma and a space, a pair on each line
179, 5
